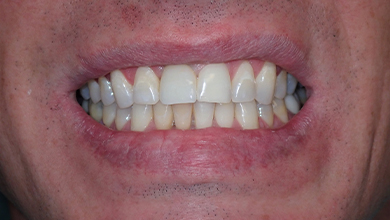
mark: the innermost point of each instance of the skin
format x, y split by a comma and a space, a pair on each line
52, 167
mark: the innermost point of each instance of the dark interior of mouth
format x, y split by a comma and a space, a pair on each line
243, 95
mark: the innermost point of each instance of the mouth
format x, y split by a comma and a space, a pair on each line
195, 116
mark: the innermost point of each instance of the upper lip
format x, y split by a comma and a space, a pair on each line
281, 50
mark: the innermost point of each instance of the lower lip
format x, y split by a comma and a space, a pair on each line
205, 154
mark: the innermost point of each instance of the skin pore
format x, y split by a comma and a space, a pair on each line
329, 162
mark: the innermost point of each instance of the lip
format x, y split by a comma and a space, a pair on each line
195, 155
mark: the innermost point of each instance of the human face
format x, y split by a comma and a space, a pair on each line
328, 162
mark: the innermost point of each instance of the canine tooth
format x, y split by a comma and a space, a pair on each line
96, 111
281, 85
214, 84
292, 104
106, 91
141, 117
123, 90
178, 85
85, 105
146, 87
243, 84
280, 110
246, 115
84, 92
109, 113
163, 116
266, 114
123, 115
224, 114
203, 113
265, 84
291, 84
301, 92
94, 91
182, 115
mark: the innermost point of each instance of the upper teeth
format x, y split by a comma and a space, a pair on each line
180, 87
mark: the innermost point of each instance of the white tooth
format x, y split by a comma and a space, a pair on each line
203, 113
123, 90
224, 114
243, 84
96, 111
141, 117
280, 110
266, 114
146, 87
122, 117
302, 95
94, 91
85, 105
106, 91
178, 85
292, 104
214, 84
291, 84
84, 91
163, 116
182, 115
246, 115
281, 85
109, 113
265, 84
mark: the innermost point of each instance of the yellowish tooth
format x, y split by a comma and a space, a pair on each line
246, 114
123, 116
203, 113
182, 114
123, 90
96, 111
109, 113
243, 84
214, 84
265, 84
141, 117
266, 113
280, 110
163, 116
224, 115
281, 85
146, 87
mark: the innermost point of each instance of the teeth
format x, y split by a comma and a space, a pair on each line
94, 91
265, 84
96, 111
281, 85
84, 91
224, 114
280, 110
182, 115
243, 84
146, 87
85, 105
203, 113
163, 116
291, 84
266, 114
246, 115
302, 95
106, 91
141, 117
292, 104
123, 116
178, 85
123, 90
214, 84
109, 113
